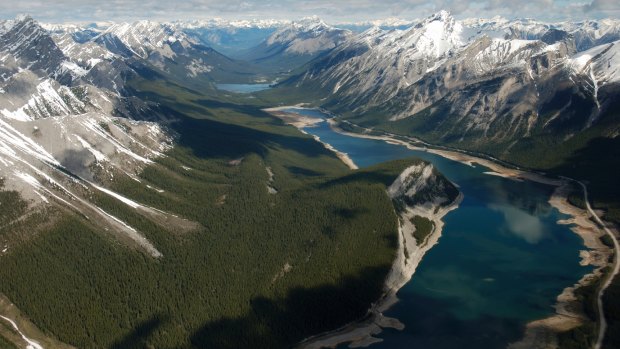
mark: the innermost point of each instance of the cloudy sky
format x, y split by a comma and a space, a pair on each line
334, 11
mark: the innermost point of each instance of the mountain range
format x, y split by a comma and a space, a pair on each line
495, 86
99, 118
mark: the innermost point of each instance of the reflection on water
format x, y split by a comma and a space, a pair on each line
522, 224
501, 261
533, 202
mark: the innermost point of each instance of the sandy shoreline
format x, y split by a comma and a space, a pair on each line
297, 120
495, 168
301, 122
539, 333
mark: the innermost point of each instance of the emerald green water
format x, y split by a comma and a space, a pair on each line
501, 261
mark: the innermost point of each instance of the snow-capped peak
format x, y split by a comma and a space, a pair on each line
144, 36
480, 22
62, 28
442, 15
389, 22
434, 36
22, 19
601, 63
312, 22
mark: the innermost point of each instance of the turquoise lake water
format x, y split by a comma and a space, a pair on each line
242, 88
501, 262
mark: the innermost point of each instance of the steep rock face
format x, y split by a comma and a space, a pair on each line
30, 45
80, 34
39, 80
422, 185
86, 54
499, 73
46, 75
105, 54
418, 192
46, 99
601, 64
585, 34
168, 49
59, 126
508, 95
47, 96
375, 65
143, 38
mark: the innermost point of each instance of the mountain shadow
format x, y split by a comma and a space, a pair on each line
138, 338
304, 312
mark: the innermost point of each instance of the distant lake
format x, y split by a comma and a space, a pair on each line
242, 88
501, 261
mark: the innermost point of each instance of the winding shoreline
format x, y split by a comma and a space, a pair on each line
568, 313
301, 121
360, 333
539, 333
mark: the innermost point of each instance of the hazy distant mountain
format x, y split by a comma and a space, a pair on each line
296, 43
231, 37
386, 23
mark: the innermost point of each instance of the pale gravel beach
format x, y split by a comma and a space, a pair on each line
301, 122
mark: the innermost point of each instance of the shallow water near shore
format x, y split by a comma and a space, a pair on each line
501, 262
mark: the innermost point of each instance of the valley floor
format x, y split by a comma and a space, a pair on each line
307, 241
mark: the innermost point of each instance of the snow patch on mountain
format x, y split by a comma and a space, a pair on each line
144, 37
440, 34
48, 100
601, 63
196, 67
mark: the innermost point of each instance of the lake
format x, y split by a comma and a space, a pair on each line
501, 262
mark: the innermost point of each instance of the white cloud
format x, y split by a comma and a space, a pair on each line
331, 10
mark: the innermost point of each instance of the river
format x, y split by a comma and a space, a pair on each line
501, 262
